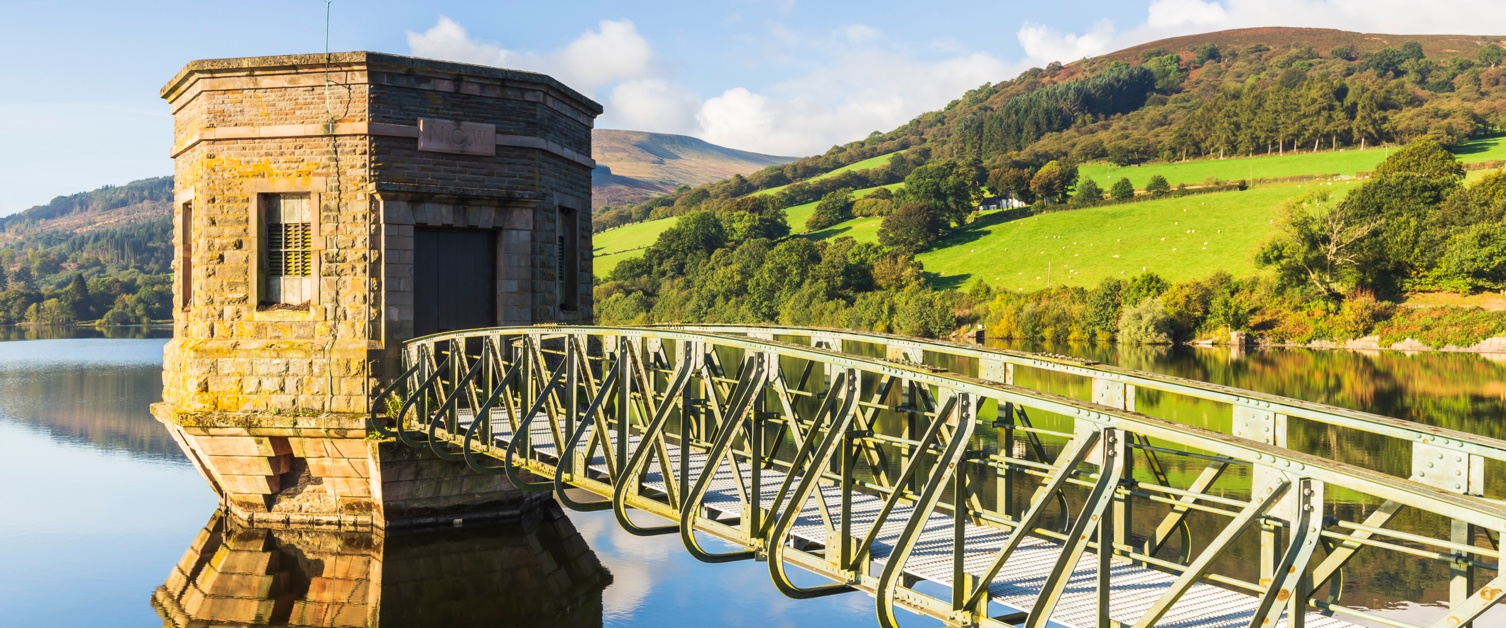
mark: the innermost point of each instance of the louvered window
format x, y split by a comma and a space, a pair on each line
568, 249
287, 249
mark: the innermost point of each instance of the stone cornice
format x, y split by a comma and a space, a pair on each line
256, 67
282, 131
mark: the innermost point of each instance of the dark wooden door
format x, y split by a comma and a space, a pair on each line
454, 279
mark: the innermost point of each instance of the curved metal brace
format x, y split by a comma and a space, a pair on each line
894, 567
525, 423
909, 471
372, 421
449, 404
751, 382
1336, 580
836, 433
402, 434
1184, 530
1076, 451
485, 411
567, 457
640, 455
1034, 441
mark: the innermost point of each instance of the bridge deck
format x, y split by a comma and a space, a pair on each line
1135, 588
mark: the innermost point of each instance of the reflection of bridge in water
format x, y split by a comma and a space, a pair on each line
539, 573
955, 493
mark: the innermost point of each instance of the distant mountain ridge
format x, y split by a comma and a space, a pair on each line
633, 166
1320, 39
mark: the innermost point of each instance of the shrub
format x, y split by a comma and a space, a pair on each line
1122, 190
870, 207
1101, 315
1145, 324
1359, 315
920, 311
1158, 187
835, 207
1143, 286
1228, 312
913, 227
1186, 306
117, 317
1088, 194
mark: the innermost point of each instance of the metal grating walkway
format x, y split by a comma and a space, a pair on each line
1135, 588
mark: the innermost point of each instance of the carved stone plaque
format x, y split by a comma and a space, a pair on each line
462, 138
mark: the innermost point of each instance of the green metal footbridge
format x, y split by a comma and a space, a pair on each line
976, 486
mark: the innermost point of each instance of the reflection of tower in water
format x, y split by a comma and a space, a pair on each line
539, 572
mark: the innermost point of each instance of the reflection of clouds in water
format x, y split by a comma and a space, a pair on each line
633, 562
81, 351
655, 582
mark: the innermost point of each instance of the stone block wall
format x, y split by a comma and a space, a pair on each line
243, 380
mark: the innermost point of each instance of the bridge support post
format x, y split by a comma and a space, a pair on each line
1122, 396
1446, 468
1265, 426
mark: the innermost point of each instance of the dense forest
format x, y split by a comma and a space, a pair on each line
104, 255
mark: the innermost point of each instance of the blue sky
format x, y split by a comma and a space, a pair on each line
79, 78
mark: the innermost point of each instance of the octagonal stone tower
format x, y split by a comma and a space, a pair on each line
329, 207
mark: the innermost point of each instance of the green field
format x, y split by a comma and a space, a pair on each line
1343, 162
798, 214
625, 242
1179, 238
628, 242
866, 164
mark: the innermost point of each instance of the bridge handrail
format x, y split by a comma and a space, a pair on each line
1478, 511
1474, 444
1305, 473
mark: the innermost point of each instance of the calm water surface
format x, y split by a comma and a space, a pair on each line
102, 513
105, 524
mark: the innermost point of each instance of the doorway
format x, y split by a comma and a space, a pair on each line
454, 279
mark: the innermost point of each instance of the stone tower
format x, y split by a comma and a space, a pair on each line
329, 207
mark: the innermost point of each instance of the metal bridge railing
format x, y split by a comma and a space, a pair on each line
964, 498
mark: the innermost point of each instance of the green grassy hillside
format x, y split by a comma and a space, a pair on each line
866, 164
627, 242
1082, 247
1179, 238
1343, 162
615, 245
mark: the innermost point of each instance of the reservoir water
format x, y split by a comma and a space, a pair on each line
105, 524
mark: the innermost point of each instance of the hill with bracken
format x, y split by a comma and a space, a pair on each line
634, 166
127, 227
1112, 197
101, 255
1249, 91
1324, 39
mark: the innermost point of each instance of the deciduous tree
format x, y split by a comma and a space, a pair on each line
1122, 190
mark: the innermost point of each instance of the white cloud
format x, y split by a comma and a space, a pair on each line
861, 33
1180, 13
614, 52
847, 83
856, 91
655, 105
1044, 44
449, 40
